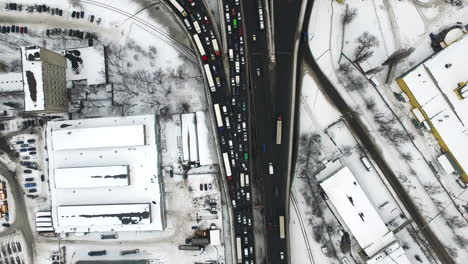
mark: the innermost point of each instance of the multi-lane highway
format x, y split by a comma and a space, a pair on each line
270, 88
272, 99
229, 99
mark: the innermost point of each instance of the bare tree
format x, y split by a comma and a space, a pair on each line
433, 189
373, 71
363, 56
355, 83
366, 41
348, 16
407, 156
395, 58
455, 221
345, 68
370, 103
398, 56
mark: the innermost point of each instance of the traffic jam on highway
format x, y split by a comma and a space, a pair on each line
230, 108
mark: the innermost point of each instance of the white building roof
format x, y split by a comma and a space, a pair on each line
189, 137
11, 82
32, 76
90, 216
204, 143
446, 164
357, 212
86, 63
215, 237
91, 177
98, 137
393, 254
141, 187
433, 84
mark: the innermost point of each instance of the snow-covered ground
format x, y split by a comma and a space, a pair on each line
414, 155
151, 70
333, 147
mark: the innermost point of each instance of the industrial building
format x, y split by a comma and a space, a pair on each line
104, 175
437, 91
356, 212
44, 80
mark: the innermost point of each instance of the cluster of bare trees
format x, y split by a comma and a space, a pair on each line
308, 165
395, 136
148, 89
353, 82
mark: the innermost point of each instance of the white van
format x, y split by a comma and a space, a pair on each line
231, 55
270, 168
247, 196
231, 146
187, 24
228, 125
365, 161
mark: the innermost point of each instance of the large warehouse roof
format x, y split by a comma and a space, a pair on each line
91, 177
101, 170
104, 215
98, 137
433, 84
357, 212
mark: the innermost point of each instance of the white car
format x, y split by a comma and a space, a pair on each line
270, 168
281, 255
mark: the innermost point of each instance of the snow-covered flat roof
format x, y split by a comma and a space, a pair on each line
104, 215
140, 162
91, 177
445, 162
357, 212
98, 137
204, 139
433, 83
86, 63
391, 255
32, 76
215, 237
189, 137
11, 82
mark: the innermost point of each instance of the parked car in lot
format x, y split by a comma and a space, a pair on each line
29, 185
29, 179
32, 190
27, 171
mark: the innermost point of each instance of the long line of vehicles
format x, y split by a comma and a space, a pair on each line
229, 97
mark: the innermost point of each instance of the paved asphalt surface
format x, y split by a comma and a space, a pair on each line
271, 97
21, 219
